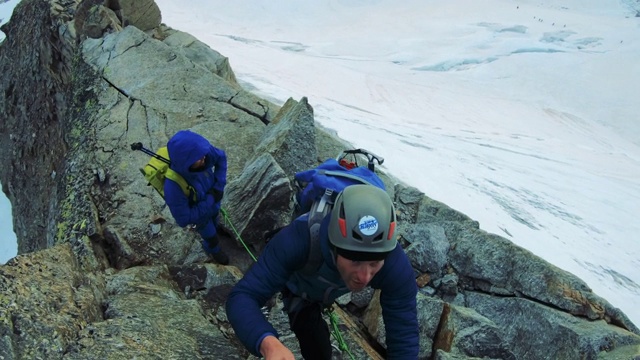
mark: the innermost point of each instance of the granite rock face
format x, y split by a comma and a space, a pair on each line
104, 271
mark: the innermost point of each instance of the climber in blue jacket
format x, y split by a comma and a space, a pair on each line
204, 167
358, 249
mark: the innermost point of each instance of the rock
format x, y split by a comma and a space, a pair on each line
46, 299
145, 313
539, 331
290, 139
429, 248
259, 200
464, 332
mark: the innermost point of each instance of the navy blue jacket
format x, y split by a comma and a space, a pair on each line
185, 148
277, 266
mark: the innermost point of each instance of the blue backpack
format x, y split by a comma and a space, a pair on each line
327, 180
319, 187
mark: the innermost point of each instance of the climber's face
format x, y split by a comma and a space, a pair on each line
357, 274
198, 165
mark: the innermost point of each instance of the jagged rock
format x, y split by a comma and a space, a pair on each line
291, 138
33, 137
447, 286
105, 272
540, 331
259, 200
201, 54
199, 277
493, 264
143, 14
465, 332
94, 18
429, 248
443, 355
97, 21
362, 298
430, 310
429, 313
45, 299
146, 313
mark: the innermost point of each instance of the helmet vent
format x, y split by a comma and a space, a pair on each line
392, 229
343, 227
342, 222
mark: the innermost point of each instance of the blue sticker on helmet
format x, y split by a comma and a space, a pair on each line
368, 225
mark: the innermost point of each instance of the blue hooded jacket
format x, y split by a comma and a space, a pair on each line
278, 266
185, 148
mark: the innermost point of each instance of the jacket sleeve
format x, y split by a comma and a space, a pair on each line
398, 302
178, 204
284, 253
220, 172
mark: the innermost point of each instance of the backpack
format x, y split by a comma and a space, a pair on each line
157, 169
318, 189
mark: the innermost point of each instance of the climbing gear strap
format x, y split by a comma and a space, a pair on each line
187, 189
157, 169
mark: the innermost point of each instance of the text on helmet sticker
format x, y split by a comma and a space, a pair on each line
368, 225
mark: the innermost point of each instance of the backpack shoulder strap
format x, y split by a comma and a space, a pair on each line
319, 210
187, 189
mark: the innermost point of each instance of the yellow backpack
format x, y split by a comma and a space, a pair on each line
157, 169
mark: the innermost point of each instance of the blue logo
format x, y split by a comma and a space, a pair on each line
368, 225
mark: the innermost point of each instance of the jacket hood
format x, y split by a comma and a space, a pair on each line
185, 148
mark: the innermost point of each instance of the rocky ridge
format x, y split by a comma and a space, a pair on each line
103, 270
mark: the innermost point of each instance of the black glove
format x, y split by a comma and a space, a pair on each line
217, 194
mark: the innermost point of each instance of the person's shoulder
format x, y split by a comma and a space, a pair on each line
396, 264
290, 244
298, 232
398, 257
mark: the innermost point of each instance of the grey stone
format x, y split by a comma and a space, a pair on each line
259, 200
429, 248
531, 329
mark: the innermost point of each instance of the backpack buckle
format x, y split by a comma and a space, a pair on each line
327, 199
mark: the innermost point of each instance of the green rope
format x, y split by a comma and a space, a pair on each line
227, 221
335, 330
342, 345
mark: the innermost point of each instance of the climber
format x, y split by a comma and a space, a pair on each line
358, 249
204, 167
